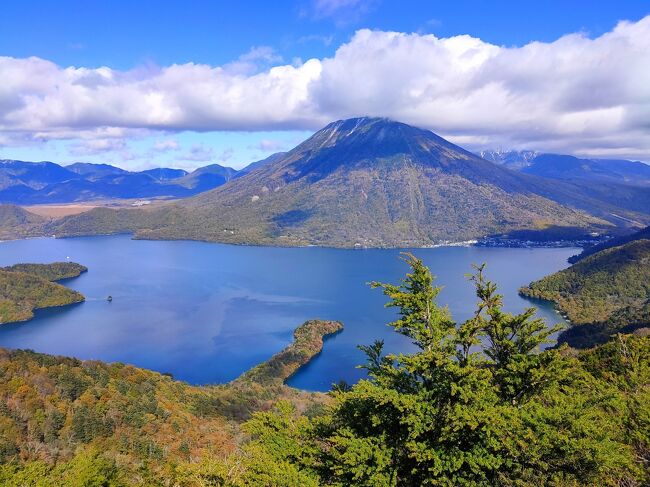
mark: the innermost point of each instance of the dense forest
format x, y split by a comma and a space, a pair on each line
602, 293
27, 287
476, 404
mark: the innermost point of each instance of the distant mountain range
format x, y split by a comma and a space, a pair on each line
377, 182
28, 183
511, 159
358, 182
569, 168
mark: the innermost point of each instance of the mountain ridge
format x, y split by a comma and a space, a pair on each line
374, 182
568, 168
364, 182
28, 183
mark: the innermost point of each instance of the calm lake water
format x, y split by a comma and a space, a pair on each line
207, 312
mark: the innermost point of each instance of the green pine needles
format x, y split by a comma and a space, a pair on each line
478, 403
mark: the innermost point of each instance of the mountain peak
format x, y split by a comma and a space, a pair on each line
336, 131
364, 142
377, 182
351, 124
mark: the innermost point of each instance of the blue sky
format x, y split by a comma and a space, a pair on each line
136, 40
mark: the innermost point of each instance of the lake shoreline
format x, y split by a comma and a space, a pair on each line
308, 341
483, 242
208, 313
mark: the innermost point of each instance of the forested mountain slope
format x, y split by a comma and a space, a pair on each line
601, 294
16, 222
644, 233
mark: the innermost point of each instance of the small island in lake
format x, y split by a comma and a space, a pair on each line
27, 287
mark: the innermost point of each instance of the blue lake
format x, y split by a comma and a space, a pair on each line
207, 312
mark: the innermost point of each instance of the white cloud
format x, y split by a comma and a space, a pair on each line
198, 153
226, 155
253, 61
166, 145
97, 146
267, 145
201, 153
37, 96
325, 40
576, 94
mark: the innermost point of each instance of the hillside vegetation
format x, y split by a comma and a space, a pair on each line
21, 294
63, 412
27, 287
52, 405
16, 222
307, 342
644, 233
475, 404
55, 271
602, 293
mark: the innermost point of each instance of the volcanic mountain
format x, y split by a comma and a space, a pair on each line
368, 182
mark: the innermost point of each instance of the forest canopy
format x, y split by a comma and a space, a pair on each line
27, 287
601, 294
477, 403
